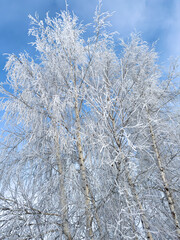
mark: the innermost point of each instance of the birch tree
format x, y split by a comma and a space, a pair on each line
91, 147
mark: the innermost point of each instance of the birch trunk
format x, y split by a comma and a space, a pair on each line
132, 219
85, 185
165, 181
133, 190
143, 217
63, 199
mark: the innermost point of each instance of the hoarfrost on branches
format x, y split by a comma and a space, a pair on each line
91, 149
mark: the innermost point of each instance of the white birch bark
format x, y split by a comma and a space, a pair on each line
63, 199
165, 181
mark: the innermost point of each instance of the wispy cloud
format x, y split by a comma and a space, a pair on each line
173, 36
155, 19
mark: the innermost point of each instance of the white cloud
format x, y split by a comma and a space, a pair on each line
128, 14
156, 19
173, 38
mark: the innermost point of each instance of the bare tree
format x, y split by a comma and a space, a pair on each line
87, 145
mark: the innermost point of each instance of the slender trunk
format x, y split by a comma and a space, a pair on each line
133, 189
143, 217
85, 185
63, 199
165, 181
96, 214
132, 219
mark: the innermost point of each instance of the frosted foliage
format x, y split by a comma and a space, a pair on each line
91, 146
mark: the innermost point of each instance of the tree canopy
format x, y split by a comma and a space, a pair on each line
91, 149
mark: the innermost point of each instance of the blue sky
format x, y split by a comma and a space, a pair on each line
155, 19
